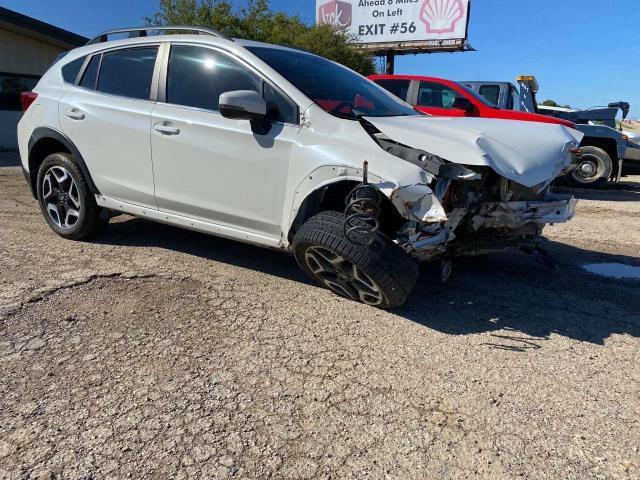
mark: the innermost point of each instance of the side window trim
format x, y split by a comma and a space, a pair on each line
87, 59
89, 56
163, 71
412, 95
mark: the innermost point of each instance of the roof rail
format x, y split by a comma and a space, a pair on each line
135, 32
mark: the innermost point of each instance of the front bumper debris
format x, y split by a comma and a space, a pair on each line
490, 226
553, 209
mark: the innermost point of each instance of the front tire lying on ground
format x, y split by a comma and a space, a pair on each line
380, 274
65, 199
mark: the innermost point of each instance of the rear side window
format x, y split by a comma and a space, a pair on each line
71, 69
399, 88
196, 77
491, 93
90, 74
127, 72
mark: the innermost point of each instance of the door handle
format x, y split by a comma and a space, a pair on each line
75, 114
166, 129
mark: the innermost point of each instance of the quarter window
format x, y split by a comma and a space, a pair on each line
431, 94
71, 69
127, 72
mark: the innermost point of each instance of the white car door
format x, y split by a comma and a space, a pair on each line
107, 116
212, 168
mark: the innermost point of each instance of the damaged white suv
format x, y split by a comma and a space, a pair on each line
281, 148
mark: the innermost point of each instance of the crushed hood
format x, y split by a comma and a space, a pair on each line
529, 153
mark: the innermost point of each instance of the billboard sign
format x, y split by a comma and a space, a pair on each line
398, 24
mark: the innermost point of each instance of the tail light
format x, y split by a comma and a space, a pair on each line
26, 99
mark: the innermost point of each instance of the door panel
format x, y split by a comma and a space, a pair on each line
212, 168
112, 134
108, 119
442, 112
437, 99
216, 169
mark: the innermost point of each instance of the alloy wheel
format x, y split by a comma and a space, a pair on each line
61, 197
342, 276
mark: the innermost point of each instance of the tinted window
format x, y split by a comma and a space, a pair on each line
399, 88
491, 93
336, 89
11, 86
197, 76
279, 107
90, 74
431, 94
71, 69
127, 72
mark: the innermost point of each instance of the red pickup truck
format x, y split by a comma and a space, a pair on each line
441, 97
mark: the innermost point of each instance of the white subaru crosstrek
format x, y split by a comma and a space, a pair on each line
282, 148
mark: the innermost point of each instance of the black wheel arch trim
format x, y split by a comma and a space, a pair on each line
41, 133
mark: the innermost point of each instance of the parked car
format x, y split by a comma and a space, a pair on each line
605, 148
438, 96
267, 144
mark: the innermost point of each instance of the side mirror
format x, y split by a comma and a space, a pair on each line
243, 105
465, 104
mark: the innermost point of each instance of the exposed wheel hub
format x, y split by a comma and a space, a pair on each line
590, 169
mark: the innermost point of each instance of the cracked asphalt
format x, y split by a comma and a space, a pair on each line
155, 352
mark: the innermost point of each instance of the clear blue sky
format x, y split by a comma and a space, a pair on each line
583, 52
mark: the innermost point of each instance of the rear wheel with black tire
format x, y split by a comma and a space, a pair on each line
593, 169
380, 274
65, 199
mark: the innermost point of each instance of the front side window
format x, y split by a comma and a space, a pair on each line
432, 94
336, 89
400, 88
197, 76
127, 72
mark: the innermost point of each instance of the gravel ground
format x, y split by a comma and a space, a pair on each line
161, 353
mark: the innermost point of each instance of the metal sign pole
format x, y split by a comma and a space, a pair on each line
391, 60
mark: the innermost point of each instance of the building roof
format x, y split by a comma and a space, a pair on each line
42, 31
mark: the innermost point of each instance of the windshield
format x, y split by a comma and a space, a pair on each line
336, 89
477, 96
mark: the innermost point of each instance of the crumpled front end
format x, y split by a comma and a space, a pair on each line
484, 212
459, 209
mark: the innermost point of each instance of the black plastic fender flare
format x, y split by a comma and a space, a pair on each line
41, 133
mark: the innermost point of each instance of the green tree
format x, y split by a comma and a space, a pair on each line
256, 21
